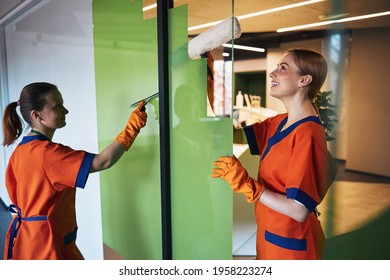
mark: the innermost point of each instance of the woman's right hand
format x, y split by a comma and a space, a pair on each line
136, 121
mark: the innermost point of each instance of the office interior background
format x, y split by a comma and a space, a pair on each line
103, 56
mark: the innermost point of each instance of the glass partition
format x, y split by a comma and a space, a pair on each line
201, 205
126, 71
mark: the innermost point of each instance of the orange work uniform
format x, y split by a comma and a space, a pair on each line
41, 179
293, 162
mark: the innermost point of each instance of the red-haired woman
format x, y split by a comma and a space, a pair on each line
294, 172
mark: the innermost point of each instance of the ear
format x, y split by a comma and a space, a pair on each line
35, 116
305, 80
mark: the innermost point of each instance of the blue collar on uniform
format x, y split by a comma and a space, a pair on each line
29, 138
280, 135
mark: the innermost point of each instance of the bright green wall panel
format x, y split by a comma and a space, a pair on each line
126, 71
201, 205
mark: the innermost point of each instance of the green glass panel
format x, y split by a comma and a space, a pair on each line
126, 71
201, 205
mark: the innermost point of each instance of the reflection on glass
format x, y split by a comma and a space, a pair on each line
191, 139
219, 59
223, 88
201, 205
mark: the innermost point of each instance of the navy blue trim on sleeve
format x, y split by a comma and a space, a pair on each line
302, 197
82, 176
286, 242
251, 139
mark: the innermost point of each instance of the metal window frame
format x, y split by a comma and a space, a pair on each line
16, 12
163, 7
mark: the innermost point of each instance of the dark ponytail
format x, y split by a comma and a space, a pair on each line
31, 98
12, 124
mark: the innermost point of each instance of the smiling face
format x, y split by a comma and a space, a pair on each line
286, 78
53, 113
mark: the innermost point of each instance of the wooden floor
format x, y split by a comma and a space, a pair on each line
351, 205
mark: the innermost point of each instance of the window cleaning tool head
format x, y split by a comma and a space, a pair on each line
214, 37
147, 99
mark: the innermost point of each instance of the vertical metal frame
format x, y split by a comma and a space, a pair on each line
13, 14
3, 70
3, 103
4, 90
163, 7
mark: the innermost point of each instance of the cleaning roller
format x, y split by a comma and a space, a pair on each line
214, 37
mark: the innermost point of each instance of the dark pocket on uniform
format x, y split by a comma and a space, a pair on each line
286, 242
70, 237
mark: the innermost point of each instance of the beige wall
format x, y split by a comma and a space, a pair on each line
369, 113
250, 65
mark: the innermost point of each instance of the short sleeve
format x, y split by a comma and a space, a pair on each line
65, 167
256, 135
308, 171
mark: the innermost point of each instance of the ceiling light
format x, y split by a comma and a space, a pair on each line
225, 54
147, 8
338, 16
277, 9
257, 14
240, 47
315, 24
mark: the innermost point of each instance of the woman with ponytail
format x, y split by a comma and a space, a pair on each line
295, 169
12, 124
42, 176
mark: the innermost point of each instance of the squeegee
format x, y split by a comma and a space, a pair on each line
147, 99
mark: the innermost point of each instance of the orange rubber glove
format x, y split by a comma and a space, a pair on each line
136, 121
231, 170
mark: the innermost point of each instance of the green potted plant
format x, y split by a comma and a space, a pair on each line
327, 112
